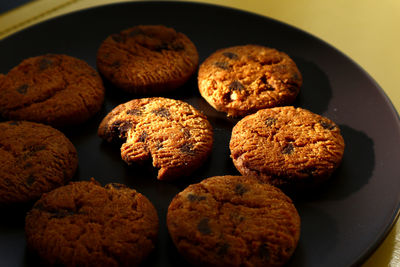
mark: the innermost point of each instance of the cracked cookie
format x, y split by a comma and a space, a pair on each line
173, 134
233, 221
34, 159
53, 89
240, 80
85, 224
287, 146
147, 59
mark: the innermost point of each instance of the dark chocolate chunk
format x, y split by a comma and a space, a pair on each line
116, 64
269, 121
222, 248
203, 226
119, 129
62, 214
240, 189
288, 149
327, 125
187, 148
222, 65
45, 63
192, 197
236, 85
162, 112
135, 111
263, 252
143, 136
230, 55
23, 89
159, 145
30, 180
309, 171
36, 148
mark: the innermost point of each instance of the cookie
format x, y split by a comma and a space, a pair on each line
287, 146
240, 80
173, 134
147, 59
85, 224
58, 90
233, 221
34, 159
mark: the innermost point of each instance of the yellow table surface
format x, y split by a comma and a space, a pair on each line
368, 31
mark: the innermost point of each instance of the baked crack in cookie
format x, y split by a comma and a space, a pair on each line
233, 221
147, 59
34, 159
85, 224
173, 134
240, 80
287, 146
53, 89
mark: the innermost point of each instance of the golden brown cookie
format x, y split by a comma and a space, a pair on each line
147, 59
85, 224
240, 80
173, 134
233, 221
34, 159
53, 89
287, 146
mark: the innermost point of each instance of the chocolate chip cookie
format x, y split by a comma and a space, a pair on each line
147, 59
287, 146
34, 159
85, 224
240, 80
173, 134
54, 89
233, 221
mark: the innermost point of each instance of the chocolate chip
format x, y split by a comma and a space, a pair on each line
240, 189
15, 123
116, 64
30, 180
143, 136
236, 85
23, 89
327, 125
36, 148
119, 38
222, 65
135, 111
177, 46
187, 148
269, 121
160, 47
186, 133
263, 252
308, 171
193, 197
230, 55
62, 214
288, 149
159, 145
162, 112
45, 63
222, 248
119, 129
203, 226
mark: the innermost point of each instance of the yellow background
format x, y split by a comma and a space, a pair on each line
368, 31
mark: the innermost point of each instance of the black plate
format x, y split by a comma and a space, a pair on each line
342, 223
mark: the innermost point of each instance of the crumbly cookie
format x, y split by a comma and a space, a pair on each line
34, 159
233, 221
177, 137
147, 59
287, 146
53, 89
240, 80
85, 224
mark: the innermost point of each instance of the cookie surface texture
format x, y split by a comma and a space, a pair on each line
287, 146
233, 221
240, 80
34, 159
59, 90
147, 59
85, 224
173, 134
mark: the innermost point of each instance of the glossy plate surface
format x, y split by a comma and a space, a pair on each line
342, 223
